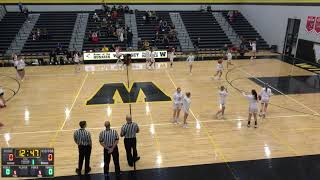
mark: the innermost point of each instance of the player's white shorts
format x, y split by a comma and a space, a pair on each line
177, 106
253, 110
219, 69
171, 59
185, 110
264, 100
222, 102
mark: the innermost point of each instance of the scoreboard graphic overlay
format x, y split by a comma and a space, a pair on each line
27, 162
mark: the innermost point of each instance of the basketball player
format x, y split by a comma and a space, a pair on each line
2, 100
190, 60
148, 53
152, 59
253, 107
223, 93
76, 60
118, 56
264, 96
219, 70
229, 59
172, 56
253, 45
177, 104
186, 106
14, 58
20, 65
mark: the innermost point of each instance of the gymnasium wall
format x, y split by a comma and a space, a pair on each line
271, 21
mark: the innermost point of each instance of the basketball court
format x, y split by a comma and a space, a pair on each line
45, 109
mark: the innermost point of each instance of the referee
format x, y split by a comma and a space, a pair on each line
109, 139
82, 138
128, 131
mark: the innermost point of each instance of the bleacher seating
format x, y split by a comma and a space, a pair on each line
60, 28
205, 26
148, 31
9, 27
103, 40
243, 28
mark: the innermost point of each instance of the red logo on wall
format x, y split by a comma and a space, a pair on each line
310, 23
317, 25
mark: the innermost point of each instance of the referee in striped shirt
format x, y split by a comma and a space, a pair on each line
129, 131
109, 139
82, 138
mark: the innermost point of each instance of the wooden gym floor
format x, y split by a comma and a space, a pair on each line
51, 102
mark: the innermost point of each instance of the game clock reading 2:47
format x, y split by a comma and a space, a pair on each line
27, 162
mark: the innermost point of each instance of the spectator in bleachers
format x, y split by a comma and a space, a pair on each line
120, 9
129, 38
146, 45
146, 17
196, 43
112, 48
95, 17
126, 9
156, 38
20, 6
106, 8
38, 34
34, 35
104, 23
114, 8
209, 9
172, 34
52, 57
105, 49
89, 36
26, 13
120, 34
97, 30
166, 41
45, 34
231, 16
95, 38
225, 49
59, 48
114, 15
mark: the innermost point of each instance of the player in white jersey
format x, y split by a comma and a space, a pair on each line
172, 56
2, 100
118, 56
148, 53
219, 69
177, 105
190, 60
229, 58
20, 65
264, 96
76, 59
152, 59
186, 106
253, 45
253, 107
223, 93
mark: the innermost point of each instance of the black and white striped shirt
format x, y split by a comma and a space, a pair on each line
82, 137
129, 130
108, 137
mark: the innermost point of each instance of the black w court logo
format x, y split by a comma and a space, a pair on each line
114, 93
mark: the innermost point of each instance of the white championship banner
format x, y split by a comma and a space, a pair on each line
92, 56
